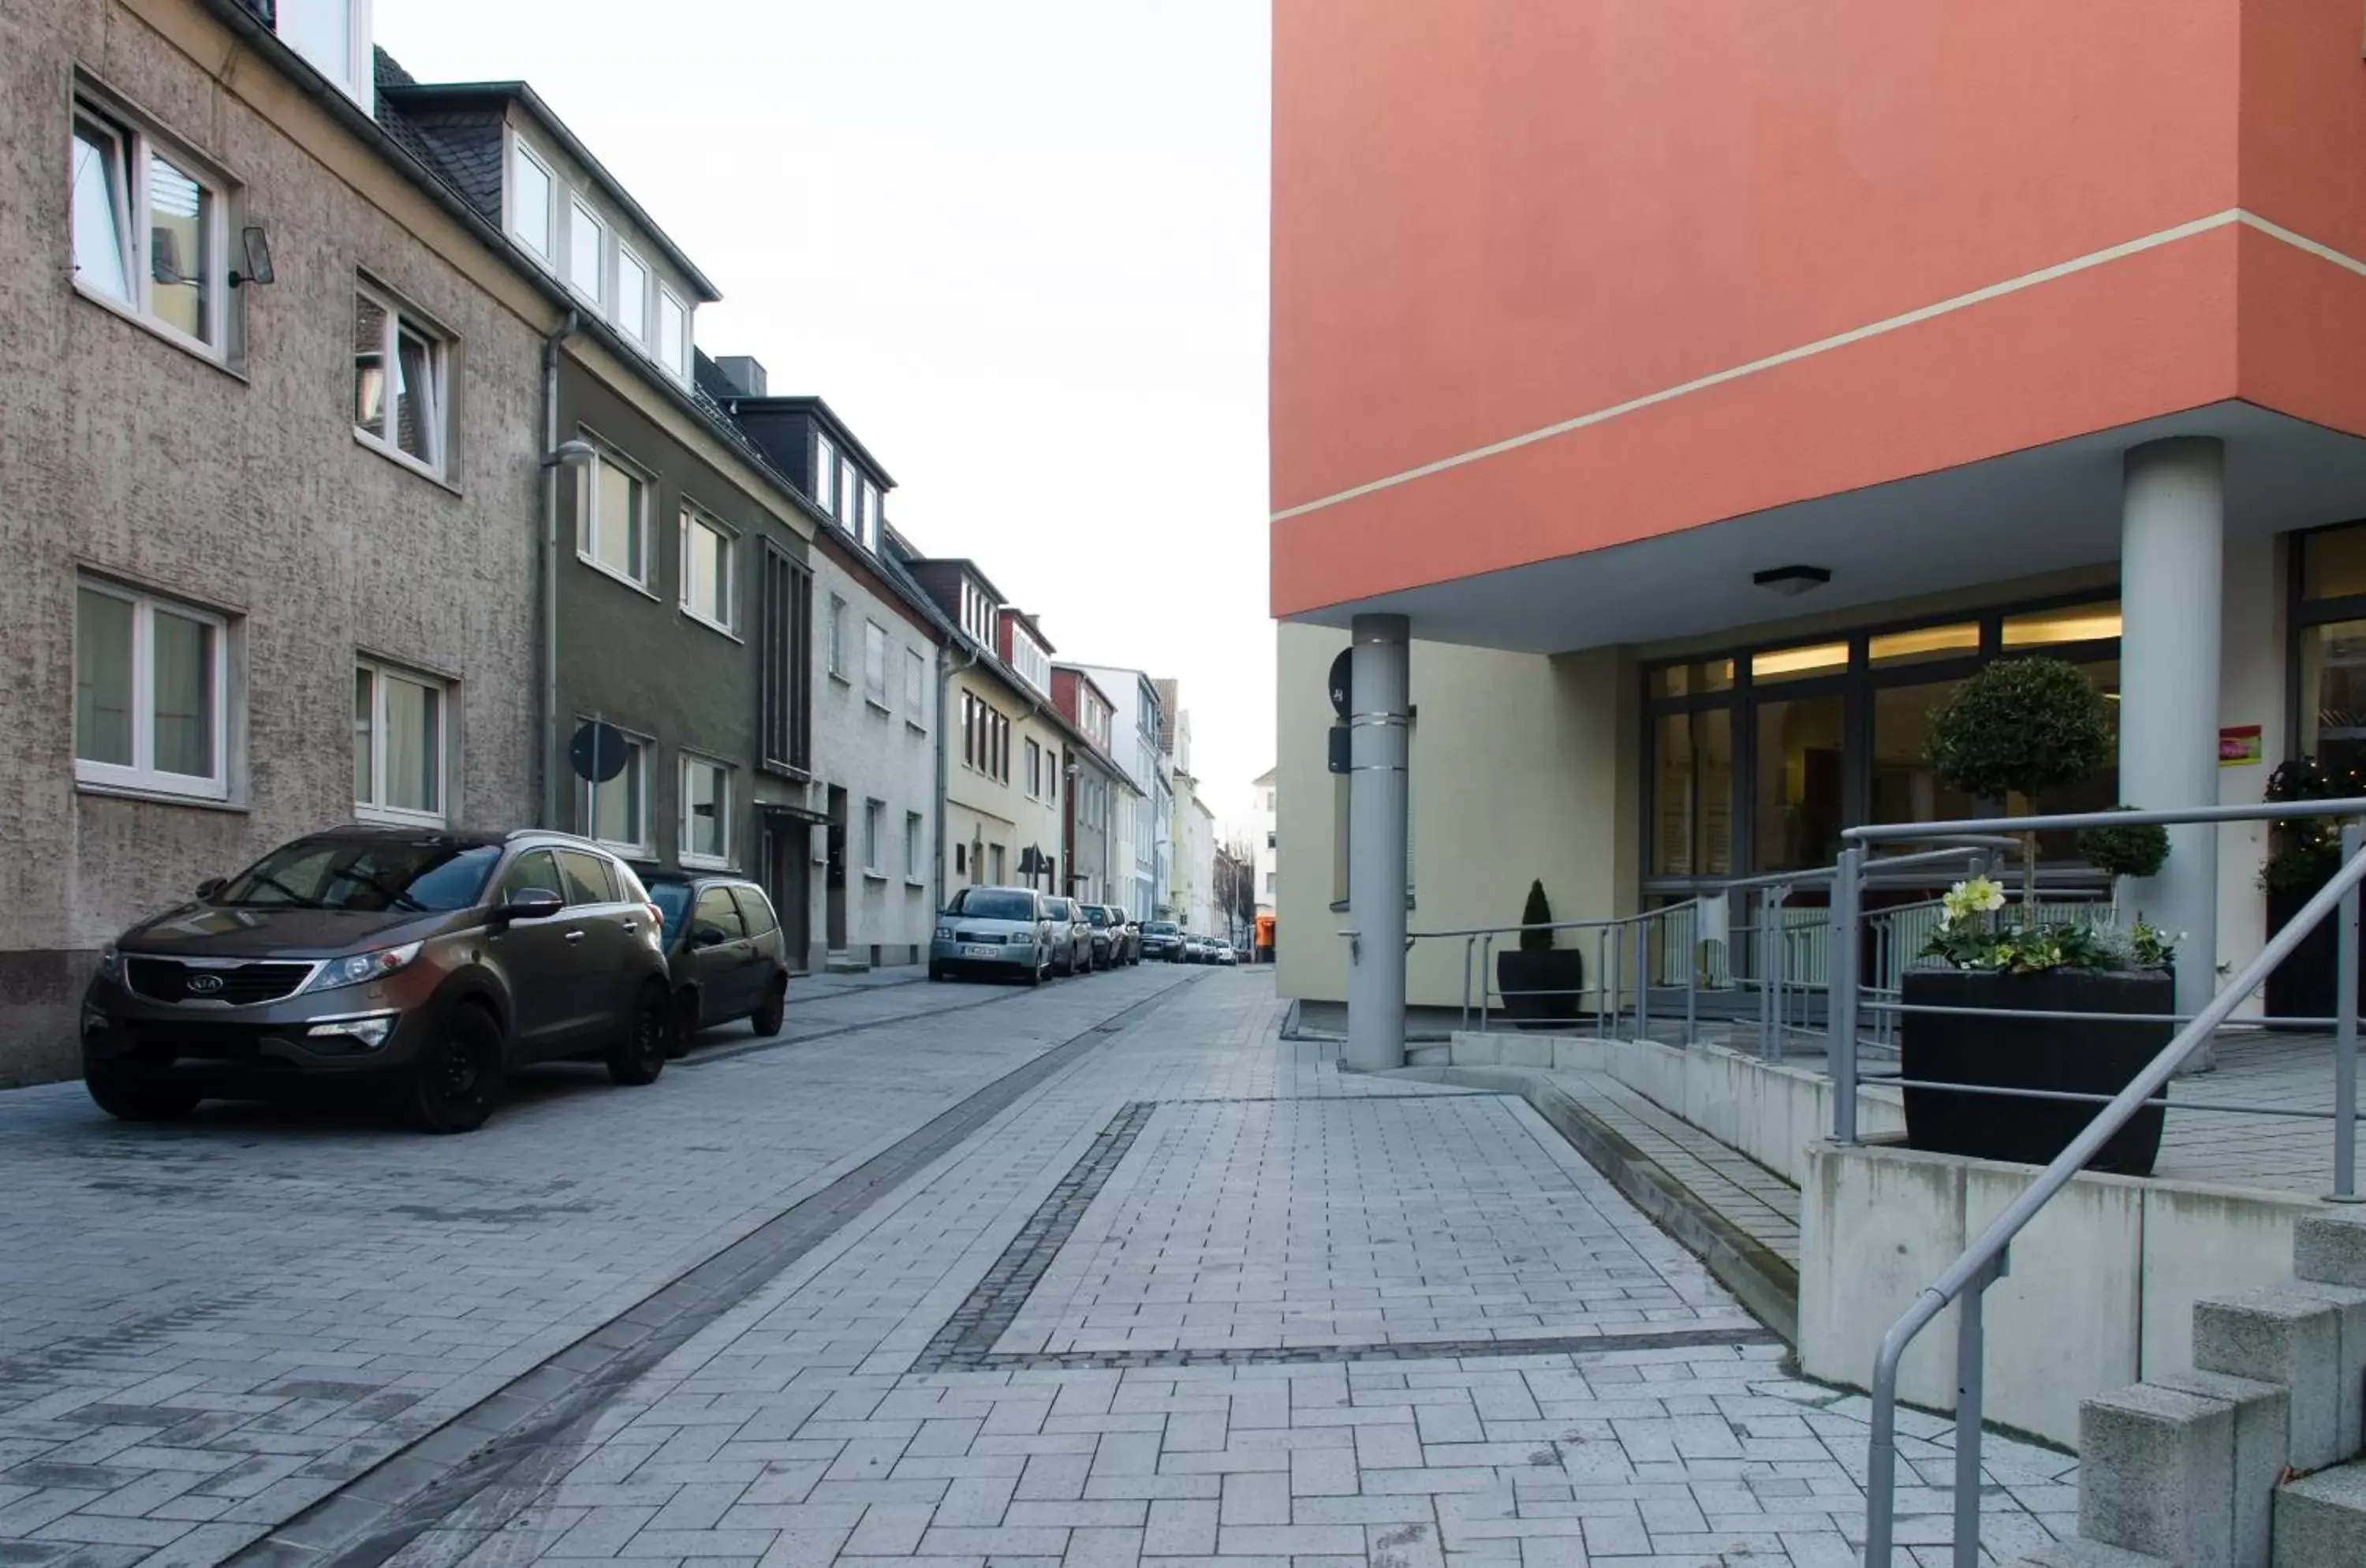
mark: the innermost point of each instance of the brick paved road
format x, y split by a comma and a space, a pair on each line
1188, 1295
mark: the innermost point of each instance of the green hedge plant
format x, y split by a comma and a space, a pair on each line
1534, 920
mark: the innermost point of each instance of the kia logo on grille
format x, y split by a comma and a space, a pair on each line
204, 985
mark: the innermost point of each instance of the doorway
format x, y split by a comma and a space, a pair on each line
787, 861
835, 914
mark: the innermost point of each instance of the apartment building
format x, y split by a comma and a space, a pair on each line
274, 406
1144, 799
1097, 787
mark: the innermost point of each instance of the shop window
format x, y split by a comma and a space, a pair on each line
1798, 790
1693, 793
2079, 623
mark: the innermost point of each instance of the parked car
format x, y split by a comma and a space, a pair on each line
993, 930
425, 962
1125, 934
1071, 935
1108, 940
1221, 952
1195, 948
1162, 940
724, 952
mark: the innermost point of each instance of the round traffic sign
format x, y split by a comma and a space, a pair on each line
598, 753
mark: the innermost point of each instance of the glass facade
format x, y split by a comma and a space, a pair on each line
1758, 758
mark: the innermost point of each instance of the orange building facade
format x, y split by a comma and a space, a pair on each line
2020, 326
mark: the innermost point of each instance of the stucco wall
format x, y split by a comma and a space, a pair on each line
1522, 768
244, 492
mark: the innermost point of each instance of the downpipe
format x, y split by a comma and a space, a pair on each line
551, 344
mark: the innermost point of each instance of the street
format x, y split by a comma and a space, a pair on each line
1106, 1272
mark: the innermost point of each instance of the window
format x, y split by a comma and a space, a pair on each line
837, 633
617, 813
912, 831
530, 192
534, 871
874, 664
707, 570
632, 296
846, 501
397, 745
915, 686
715, 917
334, 35
400, 377
977, 612
994, 863
875, 831
784, 663
149, 684
1034, 769
589, 880
611, 518
673, 333
1027, 657
756, 910
870, 516
706, 812
824, 486
148, 229
587, 248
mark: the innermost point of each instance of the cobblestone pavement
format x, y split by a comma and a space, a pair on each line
1191, 1296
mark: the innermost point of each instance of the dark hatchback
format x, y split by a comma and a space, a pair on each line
1163, 940
422, 962
724, 947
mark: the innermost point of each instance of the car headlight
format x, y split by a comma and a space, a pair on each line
111, 962
363, 967
944, 933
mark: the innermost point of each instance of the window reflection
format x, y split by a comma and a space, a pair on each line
1799, 788
2333, 694
1905, 789
1694, 795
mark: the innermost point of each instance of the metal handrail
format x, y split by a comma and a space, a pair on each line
1964, 1283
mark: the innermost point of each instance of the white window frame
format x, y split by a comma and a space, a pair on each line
579, 211
913, 830
587, 516
135, 140
870, 535
541, 242
874, 636
640, 748
693, 518
439, 375
834, 633
678, 364
374, 809
358, 79
635, 324
915, 687
825, 474
727, 788
874, 831
143, 775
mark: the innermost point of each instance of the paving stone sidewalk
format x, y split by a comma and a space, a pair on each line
1190, 1301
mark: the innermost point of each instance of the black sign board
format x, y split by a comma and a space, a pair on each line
1340, 748
1343, 670
598, 751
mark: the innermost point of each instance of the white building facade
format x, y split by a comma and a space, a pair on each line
1138, 881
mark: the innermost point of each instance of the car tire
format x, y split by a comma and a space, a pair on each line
772, 1012
638, 1054
136, 1096
1037, 976
682, 1024
936, 971
458, 1077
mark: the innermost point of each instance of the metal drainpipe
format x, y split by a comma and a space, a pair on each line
945, 674
550, 346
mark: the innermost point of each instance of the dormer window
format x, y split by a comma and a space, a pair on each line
825, 479
1027, 657
530, 190
586, 249
673, 333
870, 534
334, 35
632, 296
978, 610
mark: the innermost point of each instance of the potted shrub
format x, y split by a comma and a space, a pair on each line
2024, 727
1539, 981
2301, 854
2138, 850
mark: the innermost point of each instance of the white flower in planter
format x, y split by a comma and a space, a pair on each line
1977, 896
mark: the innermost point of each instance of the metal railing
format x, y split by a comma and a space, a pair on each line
1964, 1283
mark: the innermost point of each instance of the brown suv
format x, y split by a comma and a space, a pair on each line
422, 962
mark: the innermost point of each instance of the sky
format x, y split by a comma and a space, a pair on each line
1018, 246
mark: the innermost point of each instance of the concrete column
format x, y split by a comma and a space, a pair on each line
2173, 549
1375, 842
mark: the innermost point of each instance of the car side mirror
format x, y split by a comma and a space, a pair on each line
530, 903
208, 887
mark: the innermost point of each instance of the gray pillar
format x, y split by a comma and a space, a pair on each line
2172, 548
1376, 843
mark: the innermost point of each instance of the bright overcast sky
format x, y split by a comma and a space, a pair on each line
1020, 247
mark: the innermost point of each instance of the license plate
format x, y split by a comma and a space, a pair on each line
981, 952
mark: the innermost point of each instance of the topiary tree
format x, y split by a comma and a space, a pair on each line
1534, 918
2023, 726
2138, 850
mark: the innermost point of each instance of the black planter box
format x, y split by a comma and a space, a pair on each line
2045, 1053
2303, 985
1540, 989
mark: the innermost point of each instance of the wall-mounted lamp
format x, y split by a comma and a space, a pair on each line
256, 246
1792, 580
574, 453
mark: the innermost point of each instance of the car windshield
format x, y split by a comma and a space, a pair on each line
672, 899
375, 875
989, 904
1159, 928
1095, 914
1057, 909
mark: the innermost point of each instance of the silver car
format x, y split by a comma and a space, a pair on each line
998, 931
1071, 937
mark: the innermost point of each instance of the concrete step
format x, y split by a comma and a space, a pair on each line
2321, 1519
2087, 1554
2172, 1472
2330, 1247
845, 963
2283, 1337
2348, 1304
